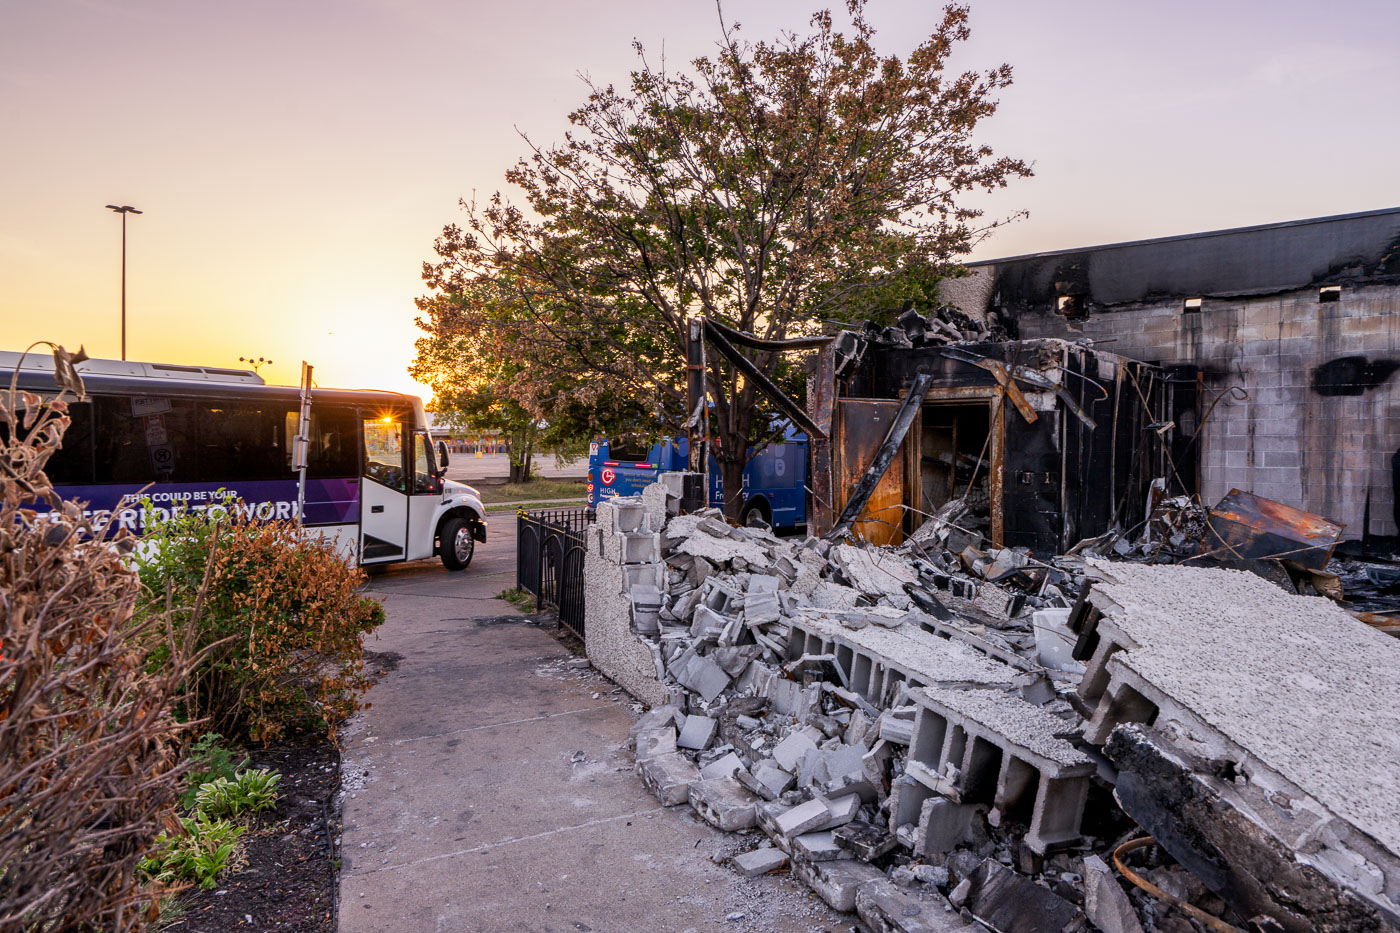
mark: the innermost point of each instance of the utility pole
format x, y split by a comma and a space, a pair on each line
301, 443
123, 210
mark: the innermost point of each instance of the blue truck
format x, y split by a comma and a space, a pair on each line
775, 479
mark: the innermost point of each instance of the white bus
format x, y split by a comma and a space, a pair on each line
374, 481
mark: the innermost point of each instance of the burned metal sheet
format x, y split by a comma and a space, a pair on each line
1245, 527
864, 424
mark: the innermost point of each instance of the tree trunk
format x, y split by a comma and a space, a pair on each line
521, 449
732, 471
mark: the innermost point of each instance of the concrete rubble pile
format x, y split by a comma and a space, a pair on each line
921, 746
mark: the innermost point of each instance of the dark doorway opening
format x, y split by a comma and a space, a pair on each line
954, 455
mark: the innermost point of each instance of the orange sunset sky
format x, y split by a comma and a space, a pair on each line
295, 160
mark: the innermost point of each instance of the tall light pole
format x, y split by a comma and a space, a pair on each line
123, 210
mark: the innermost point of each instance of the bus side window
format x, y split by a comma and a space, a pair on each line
384, 453
71, 464
157, 445
331, 449
240, 442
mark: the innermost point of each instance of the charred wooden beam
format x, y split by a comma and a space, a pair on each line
759, 343
715, 333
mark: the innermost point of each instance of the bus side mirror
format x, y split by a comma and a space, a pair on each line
442, 458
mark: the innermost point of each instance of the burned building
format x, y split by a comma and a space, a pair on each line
1290, 333
1051, 441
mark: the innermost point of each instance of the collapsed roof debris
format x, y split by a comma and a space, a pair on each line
926, 747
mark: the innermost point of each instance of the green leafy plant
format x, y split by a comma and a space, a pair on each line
247, 793
209, 760
519, 599
197, 852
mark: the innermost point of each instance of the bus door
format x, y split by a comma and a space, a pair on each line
384, 492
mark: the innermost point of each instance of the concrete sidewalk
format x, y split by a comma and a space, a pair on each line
488, 786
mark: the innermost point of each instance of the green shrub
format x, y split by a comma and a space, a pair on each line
247, 793
282, 622
197, 853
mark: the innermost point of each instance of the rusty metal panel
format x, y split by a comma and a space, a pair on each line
863, 424
1246, 527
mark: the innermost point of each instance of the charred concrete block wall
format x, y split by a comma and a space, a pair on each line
1303, 318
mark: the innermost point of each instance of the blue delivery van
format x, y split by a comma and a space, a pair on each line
775, 479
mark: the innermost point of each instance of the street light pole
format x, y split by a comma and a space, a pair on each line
123, 210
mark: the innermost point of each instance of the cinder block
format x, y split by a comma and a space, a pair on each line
803, 818
653, 742
628, 514
724, 804
885, 907
838, 881
668, 777
640, 548
721, 767
697, 732
985, 747
818, 847
944, 825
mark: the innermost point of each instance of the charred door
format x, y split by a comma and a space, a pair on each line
863, 426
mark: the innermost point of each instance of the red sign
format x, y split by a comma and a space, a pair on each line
609, 474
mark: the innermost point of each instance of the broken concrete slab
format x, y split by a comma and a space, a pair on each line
818, 847
885, 907
722, 767
724, 804
766, 815
657, 717
759, 861
865, 841
840, 810
754, 785
668, 777
700, 675
698, 732
776, 779
876, 572
656, 742
722, 550
1105, 902
944, 825
804, 818
790, 752
1010, 903
836, 882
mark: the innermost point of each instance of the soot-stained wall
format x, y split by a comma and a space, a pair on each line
1303, 317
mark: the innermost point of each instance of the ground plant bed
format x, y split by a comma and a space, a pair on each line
289, 879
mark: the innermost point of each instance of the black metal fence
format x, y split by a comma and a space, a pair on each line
549, 552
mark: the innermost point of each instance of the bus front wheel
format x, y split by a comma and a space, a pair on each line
456, 544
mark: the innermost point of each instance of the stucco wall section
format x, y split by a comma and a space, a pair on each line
612, 646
